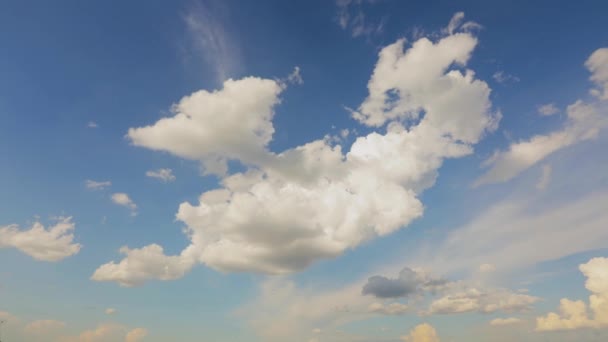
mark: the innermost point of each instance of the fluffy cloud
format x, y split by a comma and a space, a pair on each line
143, 264
315, 201
94, 185
598, 65
408, 282
123, 199
234, 122
107, 333
505, 321
547, 109
110, 311
165, 175
53, 244
422, 333
575, 314
487, 268
583, 123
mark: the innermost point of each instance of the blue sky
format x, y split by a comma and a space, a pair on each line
347, 170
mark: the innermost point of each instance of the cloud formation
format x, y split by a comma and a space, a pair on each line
505, 321
143, 264
53, 244
314, 201
584, 121
95, 185
598, 65
408, 282
422, 333
124, 200
165, 175
575, 314
547, 109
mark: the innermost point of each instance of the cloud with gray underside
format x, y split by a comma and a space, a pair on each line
408, 282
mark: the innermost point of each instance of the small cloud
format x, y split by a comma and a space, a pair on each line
505, 321
295, 77
94, 185
110, 311
165, 175
92, 124
123, 199
51, 244
547, 109
545, 177
502, 77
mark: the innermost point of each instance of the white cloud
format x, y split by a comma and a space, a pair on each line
314, 201
165, 175
232, 123
545, 177
53, 244
143, 264
94, 185
574, 314
584, 121
92, 124
547, 109
136, 335
407, 85
124, 200
422, 333
110, 311
598, 65
505, 321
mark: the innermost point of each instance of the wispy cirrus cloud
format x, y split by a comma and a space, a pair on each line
210, 39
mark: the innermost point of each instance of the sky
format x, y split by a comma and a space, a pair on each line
315, 171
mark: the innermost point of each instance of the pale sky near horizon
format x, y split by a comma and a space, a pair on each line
314, 171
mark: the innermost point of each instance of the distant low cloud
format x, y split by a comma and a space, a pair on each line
165, 175
422, 333
548, 109
92, 124
95, 185
505, 321
575, 314
110, 311
124, 200
52, 244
